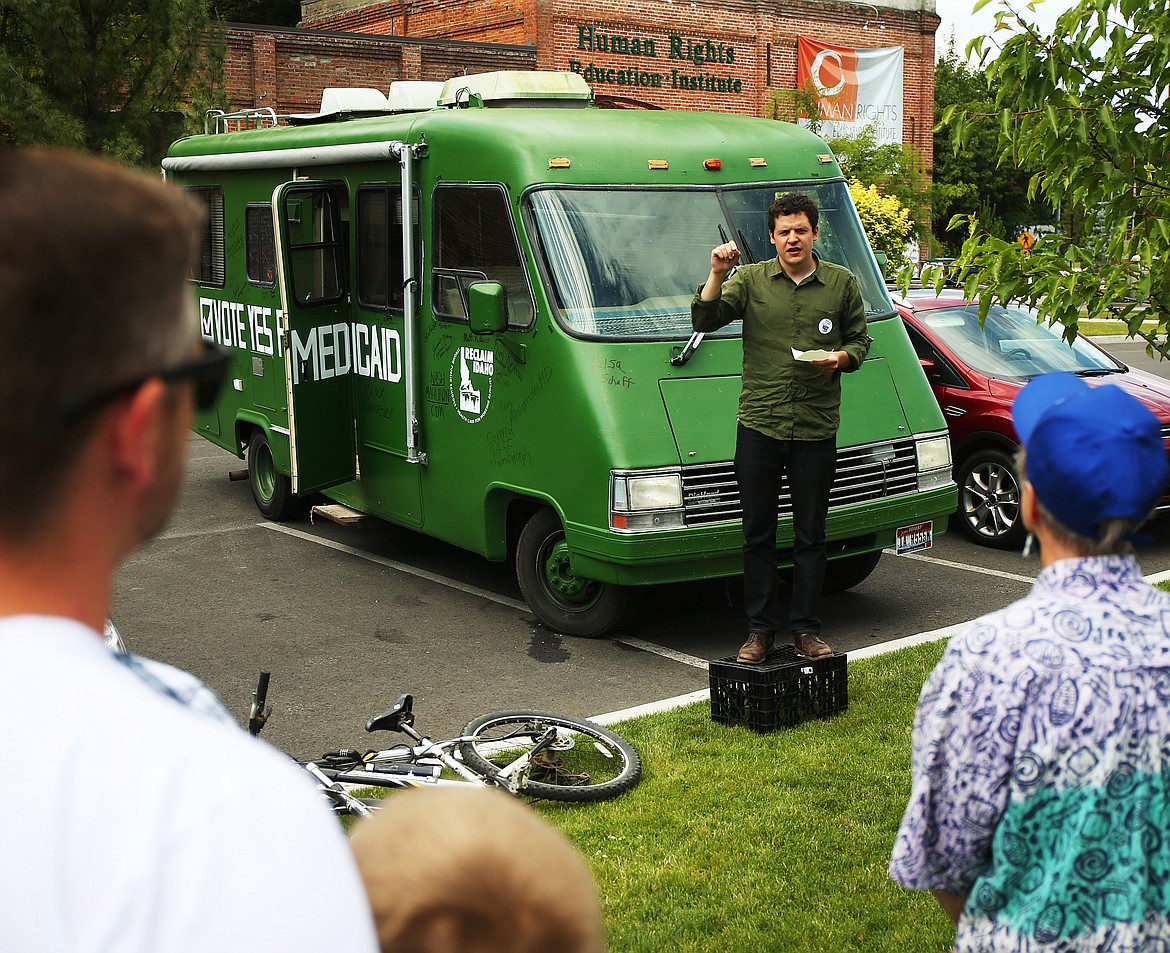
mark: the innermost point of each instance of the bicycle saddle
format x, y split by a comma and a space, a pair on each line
393, 718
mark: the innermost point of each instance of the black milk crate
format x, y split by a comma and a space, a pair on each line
783, 691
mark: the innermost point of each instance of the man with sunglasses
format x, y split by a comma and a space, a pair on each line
133, 820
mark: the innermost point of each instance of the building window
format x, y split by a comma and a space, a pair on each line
260, 245
209, 269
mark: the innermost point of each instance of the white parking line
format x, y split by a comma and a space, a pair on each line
934, 560
400, 567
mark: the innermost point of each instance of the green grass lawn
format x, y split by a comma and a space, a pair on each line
740, 841
1105, 328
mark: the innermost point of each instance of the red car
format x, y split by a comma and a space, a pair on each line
976, 372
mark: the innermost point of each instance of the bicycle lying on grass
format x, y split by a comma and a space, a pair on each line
527, 753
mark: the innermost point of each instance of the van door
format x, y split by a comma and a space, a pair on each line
318, 353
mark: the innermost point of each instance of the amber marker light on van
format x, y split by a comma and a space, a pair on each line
657, 164
825, 158
645, 501
713, 164
757, 162
559, 163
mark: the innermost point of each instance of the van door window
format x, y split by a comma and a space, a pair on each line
209, 268
260, 245
380, 281
475, 241
316, 253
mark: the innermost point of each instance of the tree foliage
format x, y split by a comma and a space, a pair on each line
895, 169
264, 12
971, 180
119, 77
1087, 107
886, 221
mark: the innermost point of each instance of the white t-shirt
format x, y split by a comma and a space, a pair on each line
131, 823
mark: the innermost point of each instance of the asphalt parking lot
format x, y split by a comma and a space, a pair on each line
347, 617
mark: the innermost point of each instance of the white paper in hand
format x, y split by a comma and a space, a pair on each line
814, 355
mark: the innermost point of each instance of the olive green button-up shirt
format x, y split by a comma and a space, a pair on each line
782, 397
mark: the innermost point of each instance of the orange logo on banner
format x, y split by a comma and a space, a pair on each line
833, 70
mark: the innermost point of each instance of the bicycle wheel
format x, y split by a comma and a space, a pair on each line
585, 762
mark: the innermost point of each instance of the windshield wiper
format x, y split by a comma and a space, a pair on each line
1100, 371
680, 356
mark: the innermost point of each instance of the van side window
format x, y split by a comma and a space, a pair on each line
209, 269
260, 245
475, 241
316, 246
379, 246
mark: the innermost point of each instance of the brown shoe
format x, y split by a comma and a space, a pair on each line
756, 648
811, 646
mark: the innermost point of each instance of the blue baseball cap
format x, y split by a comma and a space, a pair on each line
1093, 453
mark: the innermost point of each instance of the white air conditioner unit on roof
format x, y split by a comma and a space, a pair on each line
518, 88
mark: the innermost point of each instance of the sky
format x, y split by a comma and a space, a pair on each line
958, 18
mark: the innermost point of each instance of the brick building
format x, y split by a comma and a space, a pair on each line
679, 54
287, 69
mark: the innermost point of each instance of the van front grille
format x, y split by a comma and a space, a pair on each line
871, 472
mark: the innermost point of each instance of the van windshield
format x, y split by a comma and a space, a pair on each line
625, 263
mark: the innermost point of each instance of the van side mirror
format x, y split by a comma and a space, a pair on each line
487, 307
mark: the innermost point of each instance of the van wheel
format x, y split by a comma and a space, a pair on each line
989, 500
271, 489
843, 574
562, 600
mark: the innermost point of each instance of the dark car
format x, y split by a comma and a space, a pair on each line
976, 372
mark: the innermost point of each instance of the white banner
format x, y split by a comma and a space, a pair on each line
858, 88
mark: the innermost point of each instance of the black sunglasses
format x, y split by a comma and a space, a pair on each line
208, 370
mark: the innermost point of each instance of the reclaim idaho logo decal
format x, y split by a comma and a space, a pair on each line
472, 369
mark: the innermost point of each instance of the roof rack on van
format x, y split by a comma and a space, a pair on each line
499, 88
255, 117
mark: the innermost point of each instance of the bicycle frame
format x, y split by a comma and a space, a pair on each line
511, 777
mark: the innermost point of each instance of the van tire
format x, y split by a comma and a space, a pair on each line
841, 575
271, 489
561, 600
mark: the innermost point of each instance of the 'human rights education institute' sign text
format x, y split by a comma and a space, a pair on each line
696, 52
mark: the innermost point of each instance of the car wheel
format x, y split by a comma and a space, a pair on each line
989, 500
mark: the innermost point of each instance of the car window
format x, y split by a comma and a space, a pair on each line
1012, 343
943, 372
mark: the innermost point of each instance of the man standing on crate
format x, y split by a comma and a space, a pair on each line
803, 325
133, 818
1039, 814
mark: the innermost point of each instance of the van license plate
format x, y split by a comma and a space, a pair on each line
910, 539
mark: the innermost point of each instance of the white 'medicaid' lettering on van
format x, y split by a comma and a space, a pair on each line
332, 350
318, 354
474, 367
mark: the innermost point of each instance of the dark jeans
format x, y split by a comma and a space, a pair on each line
760, 465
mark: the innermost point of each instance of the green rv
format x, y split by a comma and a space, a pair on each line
464, 308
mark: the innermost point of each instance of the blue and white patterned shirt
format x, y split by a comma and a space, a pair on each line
1041, 768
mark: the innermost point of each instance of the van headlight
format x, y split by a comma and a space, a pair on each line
645, 500
933, 456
